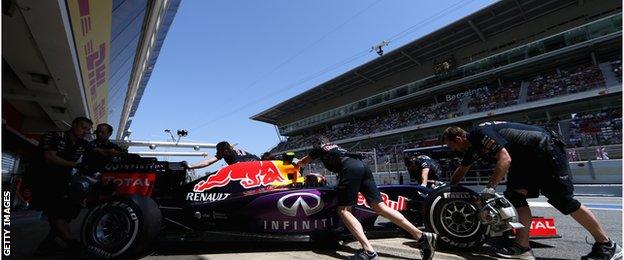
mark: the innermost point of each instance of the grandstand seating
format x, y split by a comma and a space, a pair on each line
604, 127
495, 97
562, 82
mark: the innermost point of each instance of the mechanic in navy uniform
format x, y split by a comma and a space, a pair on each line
97, 160
355, 176
49, 177
422, 169
534, 160
102, 134
228, 153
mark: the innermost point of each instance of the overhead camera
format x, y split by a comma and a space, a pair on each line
182, 133
196, 148
152, 146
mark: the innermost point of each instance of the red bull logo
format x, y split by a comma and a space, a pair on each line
399, 205
249, 175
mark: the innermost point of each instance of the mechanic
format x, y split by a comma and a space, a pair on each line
102, 133
49, 177
96, 160
422, 169
228, 153
534, 160
355, 176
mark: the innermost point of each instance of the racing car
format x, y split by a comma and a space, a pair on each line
135, 201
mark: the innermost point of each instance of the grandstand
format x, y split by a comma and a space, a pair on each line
551, 63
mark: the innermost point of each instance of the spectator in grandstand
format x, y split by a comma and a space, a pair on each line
572, 156
228, 153
355, 176
601, 153
422, 169
536, 162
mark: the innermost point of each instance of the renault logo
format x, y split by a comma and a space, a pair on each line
300, 203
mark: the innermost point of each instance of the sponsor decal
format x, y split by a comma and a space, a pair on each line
249, 175
114, 167
203, 197
127, 181
219, 215
467, 93
399, 205
543, 227
131, 183
91, 23
298, 225
457, 195
300, 203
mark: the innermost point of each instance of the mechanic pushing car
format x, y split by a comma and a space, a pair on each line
535, 161
355, 176
422, 169
228, 153
49, 177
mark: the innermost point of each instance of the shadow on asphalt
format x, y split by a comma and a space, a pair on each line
199, 248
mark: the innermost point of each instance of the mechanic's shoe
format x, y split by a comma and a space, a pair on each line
606, 251
427, 245
515, 252
49, 248
364, 255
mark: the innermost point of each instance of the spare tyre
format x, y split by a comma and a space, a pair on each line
123, 227
453, 213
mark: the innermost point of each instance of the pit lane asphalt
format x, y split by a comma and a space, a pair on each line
572, 245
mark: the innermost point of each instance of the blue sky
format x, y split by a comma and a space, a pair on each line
222, 59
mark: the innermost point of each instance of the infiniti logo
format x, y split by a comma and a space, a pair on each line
300, 203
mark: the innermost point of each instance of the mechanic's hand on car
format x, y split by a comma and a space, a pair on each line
488, 193
295, 161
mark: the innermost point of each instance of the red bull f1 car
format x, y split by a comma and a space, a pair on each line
135, 201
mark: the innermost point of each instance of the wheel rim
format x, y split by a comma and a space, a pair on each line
111, 230
460, 218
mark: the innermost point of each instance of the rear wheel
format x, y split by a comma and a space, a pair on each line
121, 228
453, 213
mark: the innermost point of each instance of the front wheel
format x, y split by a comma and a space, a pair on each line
123, 227
453, 213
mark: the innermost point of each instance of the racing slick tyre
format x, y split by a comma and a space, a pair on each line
123, 227
452, 212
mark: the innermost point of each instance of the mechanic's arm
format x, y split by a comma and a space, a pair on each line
424, 176
305, 160
503, 161
52, 158
204, 163
459, 173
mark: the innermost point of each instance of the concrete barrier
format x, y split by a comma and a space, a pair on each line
604, 172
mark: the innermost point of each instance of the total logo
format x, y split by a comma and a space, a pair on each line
399, 205
145, 182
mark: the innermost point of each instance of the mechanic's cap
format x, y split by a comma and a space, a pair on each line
223, 145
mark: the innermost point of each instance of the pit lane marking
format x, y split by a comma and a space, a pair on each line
613, 207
